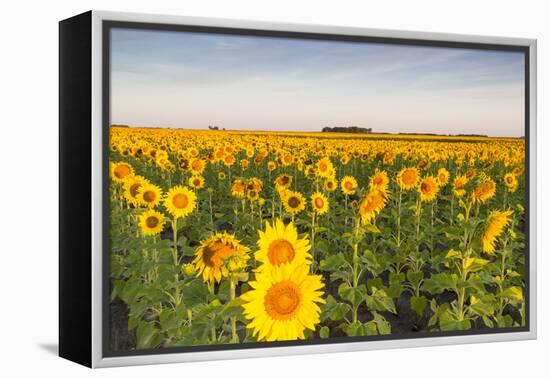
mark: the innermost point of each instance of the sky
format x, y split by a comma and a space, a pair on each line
193, 80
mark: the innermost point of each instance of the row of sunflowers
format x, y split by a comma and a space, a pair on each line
222, 237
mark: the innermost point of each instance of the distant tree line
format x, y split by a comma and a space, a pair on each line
348, 129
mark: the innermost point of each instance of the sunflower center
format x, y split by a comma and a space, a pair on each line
319, 203
152, 222
323, 167
284, 180
425, 187
149, 196
348, 185
180, 201
280, 251
282, 300
122, 171
214, 252
408, 177
294, 202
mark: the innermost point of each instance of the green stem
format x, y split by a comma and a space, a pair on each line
234, 336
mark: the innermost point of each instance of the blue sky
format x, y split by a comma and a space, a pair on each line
192, 80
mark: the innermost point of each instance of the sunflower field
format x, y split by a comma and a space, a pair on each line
220, 237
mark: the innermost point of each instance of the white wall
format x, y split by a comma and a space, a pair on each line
28, 189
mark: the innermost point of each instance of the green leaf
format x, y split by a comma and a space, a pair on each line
380, 301
324, 332
334, 263
415, 277
382, 325
448, 323
440, 282
147, 336
333, 310
195, 293
170, 319
372, 228
418, 304
513, 293
353, 295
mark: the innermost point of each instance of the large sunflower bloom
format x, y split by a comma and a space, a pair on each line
180, 201
484, 192
151, 222
428, 189
279, 244
293, 202
319, 202
379, 181
324, 167
149, 195
283, 181
238, 188
511, 182
442, 176
121, 171
408, 178
131, 189
496, 222
458, 185
218, 256
348, 185
373, 202
283, 303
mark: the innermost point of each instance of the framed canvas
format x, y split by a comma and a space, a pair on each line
236, 189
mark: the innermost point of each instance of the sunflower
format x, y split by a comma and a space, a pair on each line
319, 203
196, 182
379, 181
283, 181
330, 185
229, 160
196, 166
131, 188
511, 182
373, 202
408, 178
271, 166
254, 184
428, 189
283, 303
325, 167
293, 202
221, 176
149, 195
151, 222
485, 191
348, 185
218, 256
252, 195
458, 185
238, 189
495, 223
180, 201
442, 176
279, 244
121, 171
